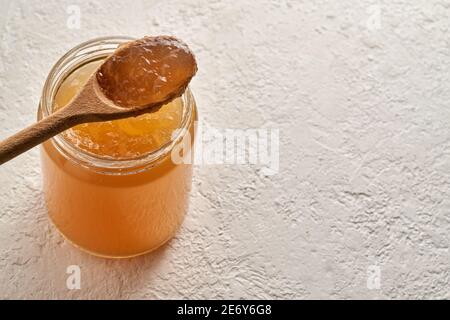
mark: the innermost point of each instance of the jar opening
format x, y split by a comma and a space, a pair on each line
77, 57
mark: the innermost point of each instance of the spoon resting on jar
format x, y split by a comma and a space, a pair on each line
139, 77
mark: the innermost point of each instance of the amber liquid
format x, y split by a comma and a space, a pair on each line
116, 215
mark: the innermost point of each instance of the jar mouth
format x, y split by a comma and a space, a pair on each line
78, 56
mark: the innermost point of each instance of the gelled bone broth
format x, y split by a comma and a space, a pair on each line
120, 214
146, 70
125, 138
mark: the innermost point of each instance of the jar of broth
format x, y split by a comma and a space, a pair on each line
113, 188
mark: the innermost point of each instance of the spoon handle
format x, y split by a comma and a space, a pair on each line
36, 134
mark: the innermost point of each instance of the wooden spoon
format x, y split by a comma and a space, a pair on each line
139, 77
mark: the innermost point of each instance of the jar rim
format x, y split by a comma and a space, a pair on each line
77, 56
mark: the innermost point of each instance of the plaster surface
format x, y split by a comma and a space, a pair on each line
359, 91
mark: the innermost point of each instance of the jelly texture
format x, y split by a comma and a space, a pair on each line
118, 139
146, 71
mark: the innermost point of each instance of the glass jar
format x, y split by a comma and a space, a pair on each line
113, 207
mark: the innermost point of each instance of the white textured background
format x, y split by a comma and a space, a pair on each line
363, 108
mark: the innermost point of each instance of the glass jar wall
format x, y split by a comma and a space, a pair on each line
111, 188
